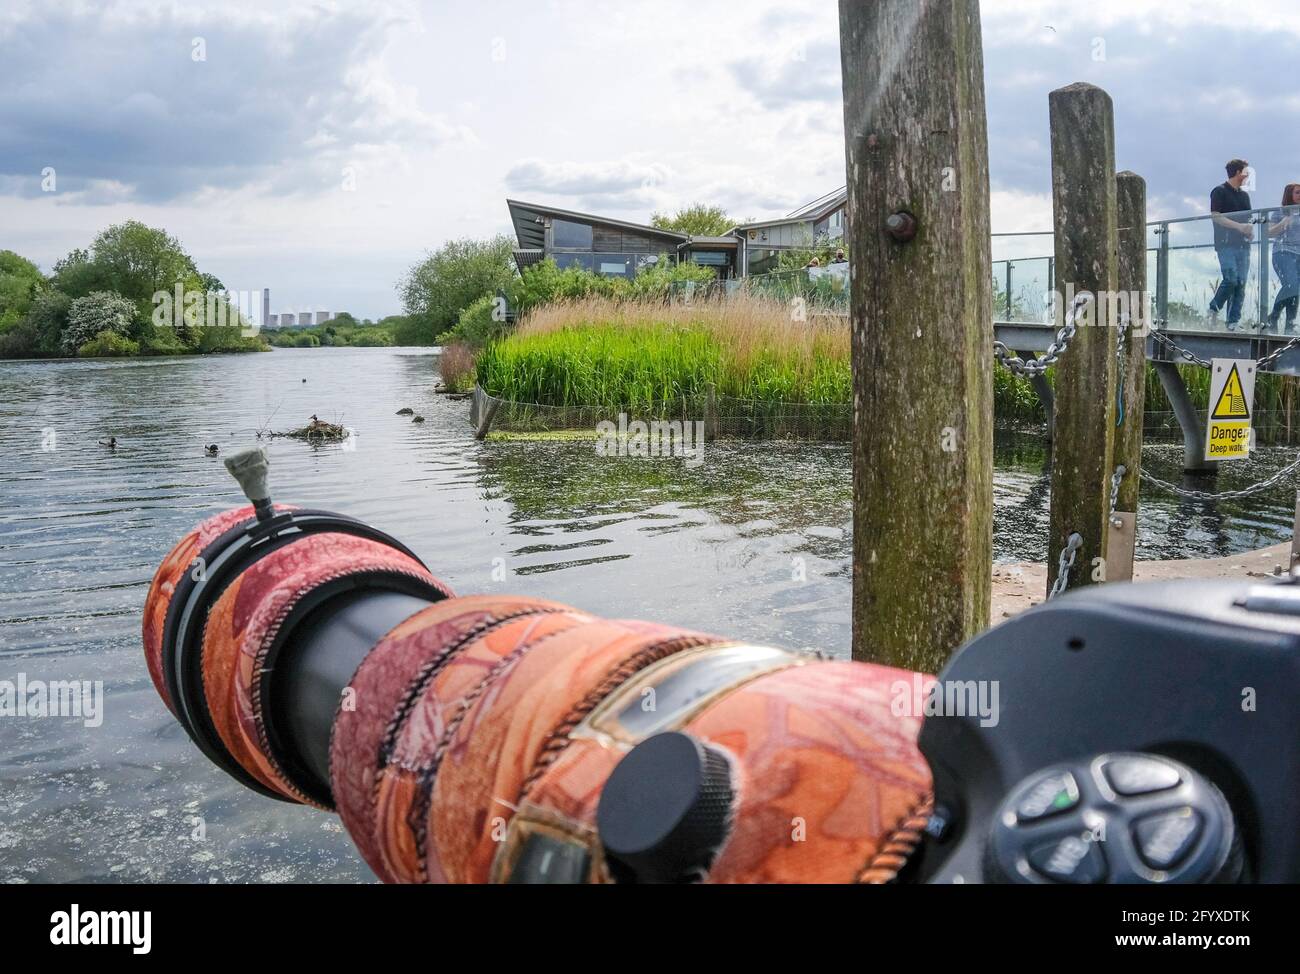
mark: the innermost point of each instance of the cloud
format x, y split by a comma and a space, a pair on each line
1180, 113
799, 71
164, 101
617, 184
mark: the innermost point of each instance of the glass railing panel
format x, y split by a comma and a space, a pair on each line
1031, 291
1014, 246
1209, 262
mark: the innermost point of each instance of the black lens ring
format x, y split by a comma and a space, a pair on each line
228, 556
379, 580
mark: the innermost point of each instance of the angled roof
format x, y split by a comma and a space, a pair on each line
822, 206
818, 209
527, 218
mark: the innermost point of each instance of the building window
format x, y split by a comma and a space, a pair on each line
586, 261
710, 258
570, 236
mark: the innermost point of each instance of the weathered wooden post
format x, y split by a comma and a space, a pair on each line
1131, 231
1084, 220
918, 223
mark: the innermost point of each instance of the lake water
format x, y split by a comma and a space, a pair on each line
82, 530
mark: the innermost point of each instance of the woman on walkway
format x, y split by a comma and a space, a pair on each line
1285, 231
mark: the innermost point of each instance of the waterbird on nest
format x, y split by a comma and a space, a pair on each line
212, 449
111, 443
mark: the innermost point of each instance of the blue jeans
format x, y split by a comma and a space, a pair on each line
1234, 265
1287, 265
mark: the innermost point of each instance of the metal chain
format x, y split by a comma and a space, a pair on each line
1261, 364
1037, 366
1065, 564
1202, 495
1272, 357
1115, 480
1160, 336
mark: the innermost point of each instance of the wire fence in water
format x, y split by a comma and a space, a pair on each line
719, 416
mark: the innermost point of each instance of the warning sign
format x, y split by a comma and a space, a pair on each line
1232, 395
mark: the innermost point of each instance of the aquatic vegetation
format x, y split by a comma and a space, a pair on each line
599, 352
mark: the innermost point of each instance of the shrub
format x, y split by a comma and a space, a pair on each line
97, 312
48, 316
372, 337
479, 324
436, 290
228, 338
21, 341
161, 341
545, 283
20, 282
108, 344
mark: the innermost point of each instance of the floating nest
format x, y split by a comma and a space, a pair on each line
316, 431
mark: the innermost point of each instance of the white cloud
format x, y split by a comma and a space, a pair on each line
622, 179
626, 109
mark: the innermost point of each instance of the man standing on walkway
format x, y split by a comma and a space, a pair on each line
1233, 233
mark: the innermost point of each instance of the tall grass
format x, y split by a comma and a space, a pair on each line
603, 353
606, 353
456, 366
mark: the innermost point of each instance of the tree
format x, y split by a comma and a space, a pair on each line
436, 290
697, 220
47, 318
138, 261
95, 313
77, 275
20, 281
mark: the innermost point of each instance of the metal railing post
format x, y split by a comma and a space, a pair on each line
1162, 278
1263, 269
1010, 313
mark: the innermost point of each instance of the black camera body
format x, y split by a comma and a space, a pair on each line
1144, 732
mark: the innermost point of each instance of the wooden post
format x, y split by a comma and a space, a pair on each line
1084, 220
1295, 534
1131, 232
922, 332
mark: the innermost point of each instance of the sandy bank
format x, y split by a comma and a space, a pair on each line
1016, 587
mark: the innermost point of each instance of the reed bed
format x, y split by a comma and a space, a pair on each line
598, 352
457, 367
605, 354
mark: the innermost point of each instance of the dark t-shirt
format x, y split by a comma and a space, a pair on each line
1233, 203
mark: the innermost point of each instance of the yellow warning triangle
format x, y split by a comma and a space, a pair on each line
1232, 400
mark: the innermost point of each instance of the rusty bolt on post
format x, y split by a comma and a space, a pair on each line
901, 226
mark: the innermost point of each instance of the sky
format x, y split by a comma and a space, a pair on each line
322, 148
